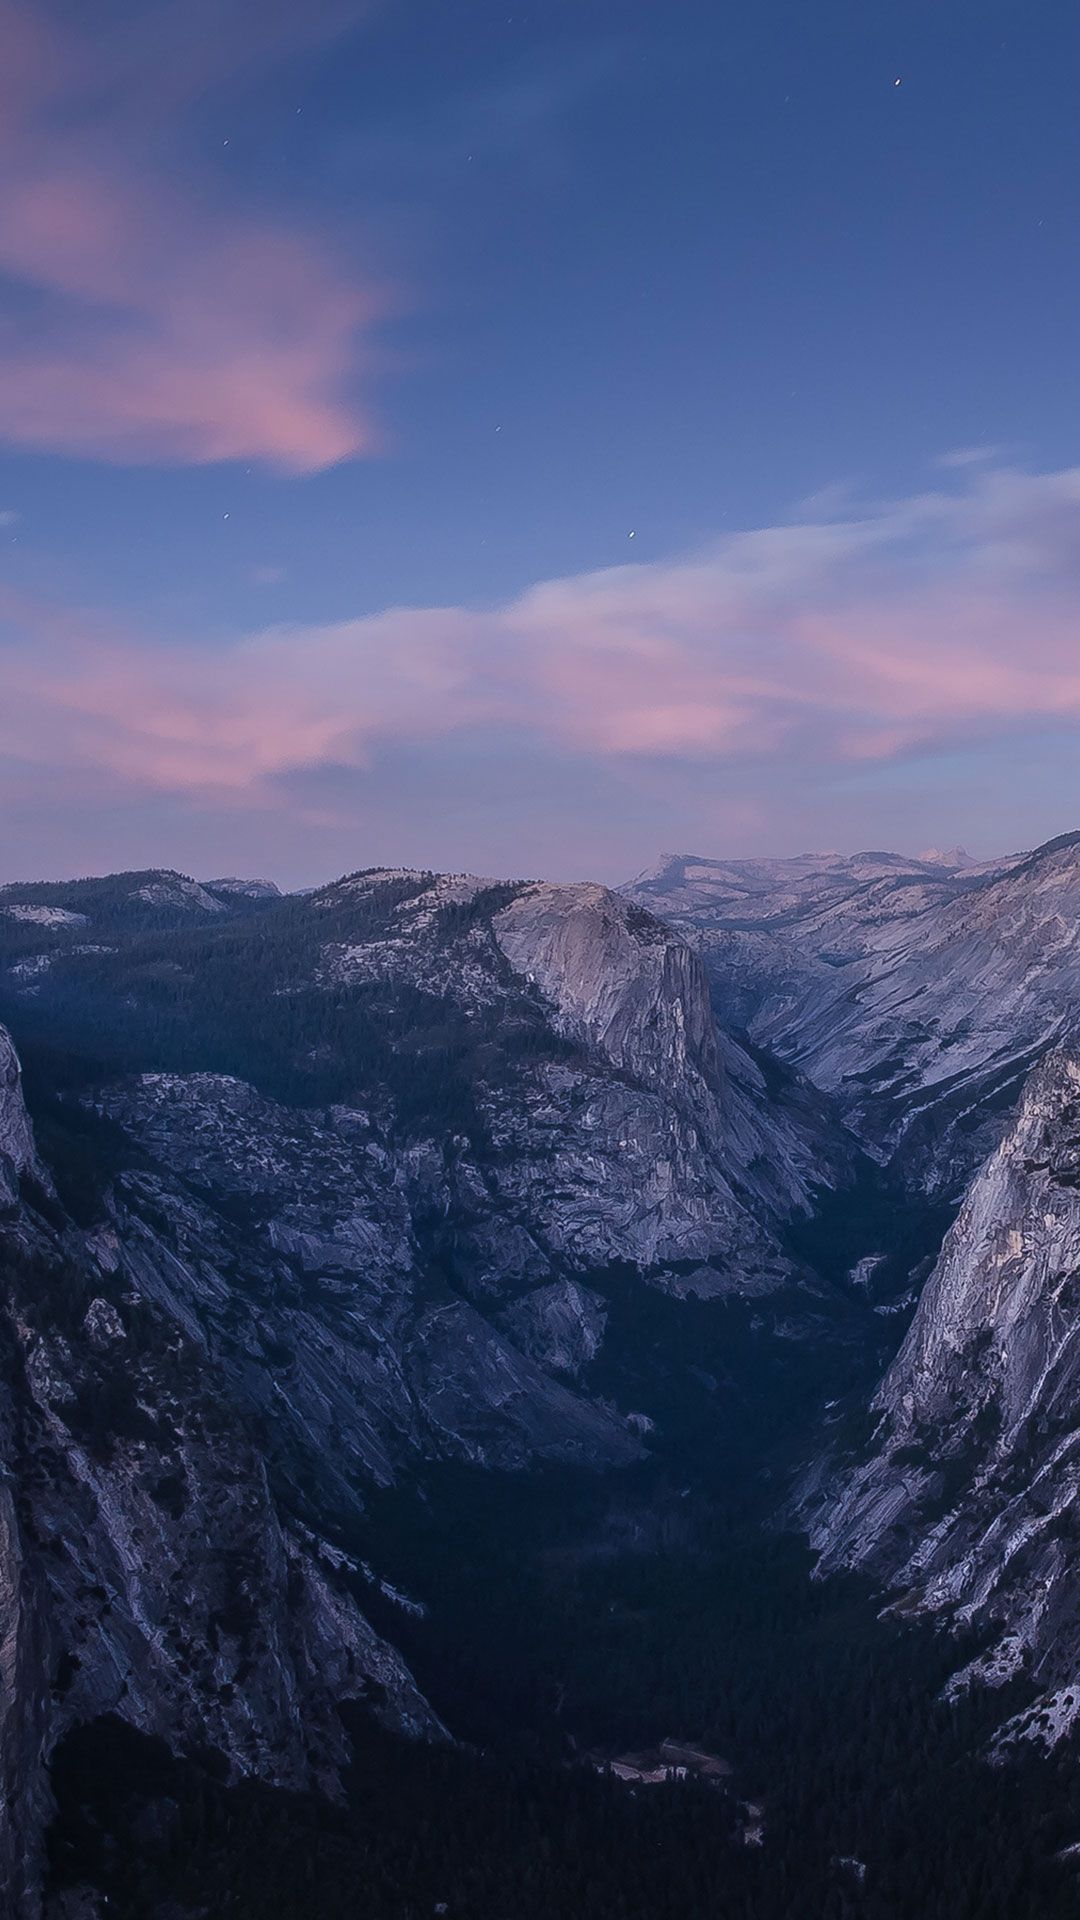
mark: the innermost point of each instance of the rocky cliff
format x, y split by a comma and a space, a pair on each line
17, 1156
966, 1503
284, 1241
625, 985
147, 1565
620, 980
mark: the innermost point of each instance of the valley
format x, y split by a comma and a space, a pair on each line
453, 1327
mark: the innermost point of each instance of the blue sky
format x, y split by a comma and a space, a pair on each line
313, 313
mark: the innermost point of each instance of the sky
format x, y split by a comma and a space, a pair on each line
531, 438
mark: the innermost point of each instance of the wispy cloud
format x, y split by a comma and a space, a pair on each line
143, 322
937, 620
967, 457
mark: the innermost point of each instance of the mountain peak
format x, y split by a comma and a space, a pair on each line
956, 859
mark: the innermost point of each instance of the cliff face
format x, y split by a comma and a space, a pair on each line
146, 1568
284, 1242
17, 1155
621, 981
636, 994
968, 1502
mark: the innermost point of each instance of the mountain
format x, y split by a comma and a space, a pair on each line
915, 996
416, 1297
245, 889
787, 898
773, 932
130, 902
368, 1146
336, 1182
966, 1502
954, 858
543, 1053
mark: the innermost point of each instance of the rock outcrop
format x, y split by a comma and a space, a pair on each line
621, 981
966, 1504
17, 1156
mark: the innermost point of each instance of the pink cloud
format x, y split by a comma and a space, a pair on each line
165, 328
934, 621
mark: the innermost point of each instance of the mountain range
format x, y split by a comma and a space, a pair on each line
746, 1196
